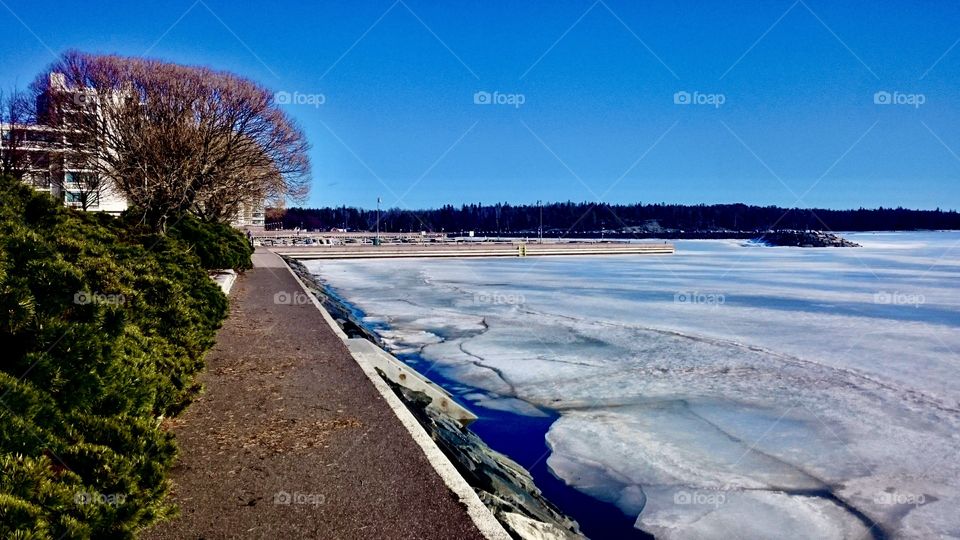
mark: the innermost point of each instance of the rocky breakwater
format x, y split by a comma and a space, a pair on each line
504, 486
804, 239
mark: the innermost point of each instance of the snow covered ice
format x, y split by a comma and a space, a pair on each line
725, 391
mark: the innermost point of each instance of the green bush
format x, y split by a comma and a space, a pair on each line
219, 246
103, 328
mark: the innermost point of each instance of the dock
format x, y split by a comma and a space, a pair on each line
470, 249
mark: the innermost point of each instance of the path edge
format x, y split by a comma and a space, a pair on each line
482, 517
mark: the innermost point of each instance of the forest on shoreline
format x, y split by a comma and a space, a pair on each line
579, 219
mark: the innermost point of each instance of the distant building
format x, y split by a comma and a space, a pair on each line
249, 215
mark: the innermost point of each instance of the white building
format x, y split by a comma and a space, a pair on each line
41, 155
249, 215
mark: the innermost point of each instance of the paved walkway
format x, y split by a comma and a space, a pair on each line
291, 440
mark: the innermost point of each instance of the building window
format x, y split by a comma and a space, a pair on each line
83, 181
77, 198
72, 179
39, 180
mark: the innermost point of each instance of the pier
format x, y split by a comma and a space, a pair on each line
470, 249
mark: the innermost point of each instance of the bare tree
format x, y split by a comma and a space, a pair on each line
174, 138
257, 183
16, 117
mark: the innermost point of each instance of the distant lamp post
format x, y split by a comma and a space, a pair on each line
377, 240
540, 230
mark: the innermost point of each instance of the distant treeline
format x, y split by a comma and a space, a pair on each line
583, 218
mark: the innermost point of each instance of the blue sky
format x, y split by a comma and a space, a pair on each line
798, 124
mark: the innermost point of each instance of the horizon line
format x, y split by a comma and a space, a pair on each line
554, 203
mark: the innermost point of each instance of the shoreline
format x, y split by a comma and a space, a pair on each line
506, 488
521, 438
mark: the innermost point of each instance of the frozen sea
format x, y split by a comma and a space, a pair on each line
727, 391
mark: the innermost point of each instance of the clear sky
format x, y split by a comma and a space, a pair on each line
784, 93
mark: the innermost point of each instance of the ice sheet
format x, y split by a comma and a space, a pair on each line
810, 391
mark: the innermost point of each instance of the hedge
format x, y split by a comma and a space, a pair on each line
216, 244
103, 327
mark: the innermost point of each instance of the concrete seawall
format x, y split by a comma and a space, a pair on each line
485, 249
